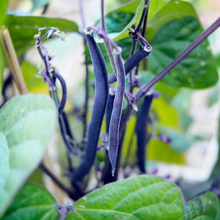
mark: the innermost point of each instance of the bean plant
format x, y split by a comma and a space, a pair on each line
143, 53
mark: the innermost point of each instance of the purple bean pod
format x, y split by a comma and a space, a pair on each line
109, 108
116, 112
141, 131
98, 111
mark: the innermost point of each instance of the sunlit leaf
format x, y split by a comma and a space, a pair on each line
27, 122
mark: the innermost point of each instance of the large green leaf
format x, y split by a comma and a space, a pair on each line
131, 14
198, 70
27, 122
4, 162
23, 28
204, 207
3, 9
140, 198
32, 202
39, 3
174, 9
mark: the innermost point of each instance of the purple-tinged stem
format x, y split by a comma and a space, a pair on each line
145, 88
106, 42
102, 34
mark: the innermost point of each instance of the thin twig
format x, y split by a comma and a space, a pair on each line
133, 49
106, 42
86, 100
144, 34
82, 15
55, 180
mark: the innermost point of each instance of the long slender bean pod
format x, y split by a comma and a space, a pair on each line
116, 112
130, 63
141, 131
100, 102
106, 173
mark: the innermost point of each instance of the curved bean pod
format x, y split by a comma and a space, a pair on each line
98, 111
62, 103
130, 64
141, 131
116, 113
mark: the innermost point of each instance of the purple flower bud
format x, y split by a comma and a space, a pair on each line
165, 139
137, 82
216, 191
168, 176
131, 98
160, 136
154, 172
168, 140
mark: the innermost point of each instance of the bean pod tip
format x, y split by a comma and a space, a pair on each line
117, 51
113, 171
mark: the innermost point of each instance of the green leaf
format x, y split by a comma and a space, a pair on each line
140, 198
181, 102
39, 3
204, 207
174, 9
27, 122
3, 9
23, 29
32, 202
4, 162
131, 13
198, 70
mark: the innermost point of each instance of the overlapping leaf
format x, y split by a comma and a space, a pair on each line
27, 122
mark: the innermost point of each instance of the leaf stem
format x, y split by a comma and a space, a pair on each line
146, 87
54, 178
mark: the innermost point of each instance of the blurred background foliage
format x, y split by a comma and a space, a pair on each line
183, 112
